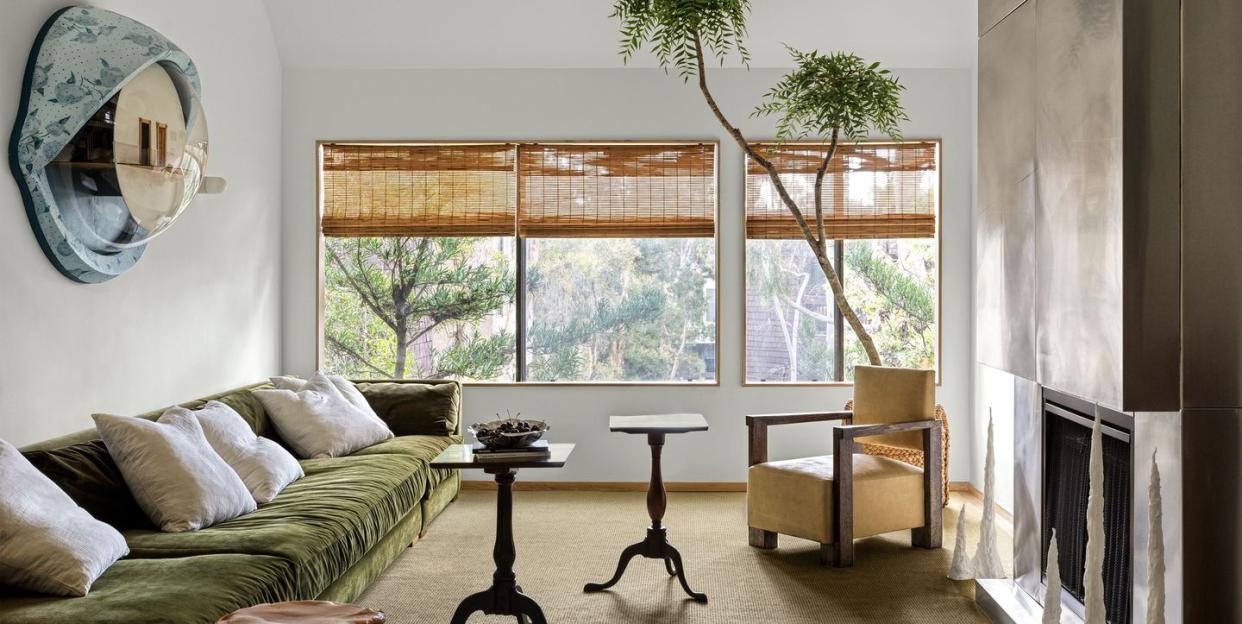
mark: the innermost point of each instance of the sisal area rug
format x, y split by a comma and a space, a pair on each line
565, 539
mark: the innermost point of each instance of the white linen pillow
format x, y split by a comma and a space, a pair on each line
345, 387
263, 465
177, 478
48, 544
318, 421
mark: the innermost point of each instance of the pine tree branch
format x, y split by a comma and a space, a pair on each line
368, 296
356, 356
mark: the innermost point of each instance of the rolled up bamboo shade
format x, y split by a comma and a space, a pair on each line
871, 190
617, 190
419, 190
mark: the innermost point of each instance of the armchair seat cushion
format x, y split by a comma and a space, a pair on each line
794, 497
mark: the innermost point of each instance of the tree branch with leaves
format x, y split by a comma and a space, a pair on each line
827, 97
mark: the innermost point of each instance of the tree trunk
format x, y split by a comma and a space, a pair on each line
817, 245
398, 368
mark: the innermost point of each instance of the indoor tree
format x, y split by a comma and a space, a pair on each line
828, 97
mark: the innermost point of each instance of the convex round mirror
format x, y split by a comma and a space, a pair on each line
110, 144
135, 165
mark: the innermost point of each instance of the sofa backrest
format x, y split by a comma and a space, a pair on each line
433, 409
80, 463
239, 399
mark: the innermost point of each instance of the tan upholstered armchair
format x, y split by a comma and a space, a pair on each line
833, 499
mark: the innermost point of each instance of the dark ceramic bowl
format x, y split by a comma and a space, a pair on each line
489, 433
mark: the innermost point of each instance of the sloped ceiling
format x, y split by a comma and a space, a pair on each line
465, 34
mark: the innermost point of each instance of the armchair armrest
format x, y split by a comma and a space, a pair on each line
757, 429
796, 417
850, 432
843, 445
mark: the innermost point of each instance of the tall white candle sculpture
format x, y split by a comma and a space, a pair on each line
987, 560
963, 568
1093, 572
1052, 595
1155, 547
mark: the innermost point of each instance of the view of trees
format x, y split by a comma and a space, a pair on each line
419, 307
791, 331
599, 309
606, 309
789, 317
892, 285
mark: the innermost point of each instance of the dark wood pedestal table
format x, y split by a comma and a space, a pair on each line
656, 545
505, 596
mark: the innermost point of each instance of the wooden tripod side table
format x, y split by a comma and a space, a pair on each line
505, 596
656, 545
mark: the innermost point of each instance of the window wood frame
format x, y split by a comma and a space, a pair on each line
519, 242
840, 246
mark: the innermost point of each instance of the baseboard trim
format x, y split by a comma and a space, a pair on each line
968, 489
610, 486
962, 487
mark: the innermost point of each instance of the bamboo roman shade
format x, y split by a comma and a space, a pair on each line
419, 190
617, 190
871, 190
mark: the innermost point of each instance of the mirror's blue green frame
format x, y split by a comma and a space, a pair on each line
80, 59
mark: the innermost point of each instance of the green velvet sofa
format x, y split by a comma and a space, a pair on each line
326, 536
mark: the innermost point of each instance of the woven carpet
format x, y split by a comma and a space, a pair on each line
565, 539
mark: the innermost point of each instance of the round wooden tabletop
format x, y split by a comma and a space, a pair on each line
304, 612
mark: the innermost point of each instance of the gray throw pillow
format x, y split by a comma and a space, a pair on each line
48, 544
174, 474
318, 421
263, 465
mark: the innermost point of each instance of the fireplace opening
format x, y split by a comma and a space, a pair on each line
1066, 484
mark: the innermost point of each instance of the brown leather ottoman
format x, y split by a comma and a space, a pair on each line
304, 612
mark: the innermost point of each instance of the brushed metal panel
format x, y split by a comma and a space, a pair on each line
1028, 439
993, 11
1152, 189
1212, 203
1159, 432
1079, 197
1212, 507
1005, 245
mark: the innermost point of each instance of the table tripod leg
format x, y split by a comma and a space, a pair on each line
681, 574
626, 555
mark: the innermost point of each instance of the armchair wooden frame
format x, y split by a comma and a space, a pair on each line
844, 444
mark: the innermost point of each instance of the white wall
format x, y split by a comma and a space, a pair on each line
605, 104
200, 313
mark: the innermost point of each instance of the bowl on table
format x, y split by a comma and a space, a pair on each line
508, 432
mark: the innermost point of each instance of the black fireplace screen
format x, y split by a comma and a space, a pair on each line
1067, 452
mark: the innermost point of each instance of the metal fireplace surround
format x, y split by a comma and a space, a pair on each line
1108, 267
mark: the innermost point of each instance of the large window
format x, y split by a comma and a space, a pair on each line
881, 204
520, 262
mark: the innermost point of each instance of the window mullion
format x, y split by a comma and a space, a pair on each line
838, 329
520, 333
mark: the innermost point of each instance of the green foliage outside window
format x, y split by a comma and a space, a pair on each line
600, 309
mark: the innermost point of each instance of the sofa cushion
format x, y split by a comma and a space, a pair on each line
415, 408
162, 591
322, 523
794, 496
88, 474
420, 446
